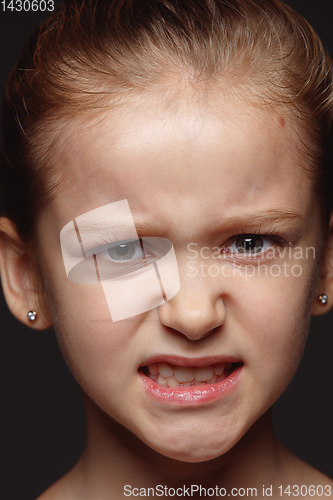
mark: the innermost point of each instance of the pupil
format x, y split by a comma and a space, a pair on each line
122, 249
122, 252
249, 244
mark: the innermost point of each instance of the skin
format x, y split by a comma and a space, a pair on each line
205, 171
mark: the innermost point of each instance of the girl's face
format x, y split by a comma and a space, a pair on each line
209, 174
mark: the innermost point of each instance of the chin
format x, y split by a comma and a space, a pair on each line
195, 453
194, 446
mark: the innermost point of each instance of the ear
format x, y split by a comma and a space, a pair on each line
325, 281
19, 278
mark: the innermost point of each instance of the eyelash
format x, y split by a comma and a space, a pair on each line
272, 234
108, 240
145, 255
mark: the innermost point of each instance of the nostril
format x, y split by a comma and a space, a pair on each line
193, 324
195, 313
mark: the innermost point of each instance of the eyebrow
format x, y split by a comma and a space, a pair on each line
247, 219
153, 227
269, 216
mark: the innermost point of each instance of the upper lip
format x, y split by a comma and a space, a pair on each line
189, 361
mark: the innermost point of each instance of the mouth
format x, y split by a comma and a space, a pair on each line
167, 375
185, 381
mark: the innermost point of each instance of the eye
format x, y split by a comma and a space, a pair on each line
124, 251
249, 245
118, 259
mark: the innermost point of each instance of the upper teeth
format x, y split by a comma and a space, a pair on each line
166, 374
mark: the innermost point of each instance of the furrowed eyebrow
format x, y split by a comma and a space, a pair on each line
152, 227
107, 230
270, 216
109, 227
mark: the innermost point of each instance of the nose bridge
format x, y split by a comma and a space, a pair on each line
198, 306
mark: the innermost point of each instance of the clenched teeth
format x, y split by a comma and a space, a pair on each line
167, 375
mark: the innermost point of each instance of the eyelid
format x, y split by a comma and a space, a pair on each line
84, 272
273, 237
157, 246
129, 261
101, 248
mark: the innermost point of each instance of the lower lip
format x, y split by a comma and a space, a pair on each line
194, 395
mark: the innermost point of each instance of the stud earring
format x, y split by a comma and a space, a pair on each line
323, 299
32, 316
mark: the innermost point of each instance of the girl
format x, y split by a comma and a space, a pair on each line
166, 205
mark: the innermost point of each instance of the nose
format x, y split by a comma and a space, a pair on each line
195, 310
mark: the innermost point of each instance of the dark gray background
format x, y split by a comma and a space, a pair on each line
42, 421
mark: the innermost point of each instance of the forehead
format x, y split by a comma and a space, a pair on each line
210, 157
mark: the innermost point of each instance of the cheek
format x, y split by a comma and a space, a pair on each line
274, 315
95, 348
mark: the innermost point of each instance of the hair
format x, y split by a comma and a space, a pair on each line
94, 54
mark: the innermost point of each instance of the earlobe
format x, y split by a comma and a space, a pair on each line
18, 277
323, 299
321, 304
